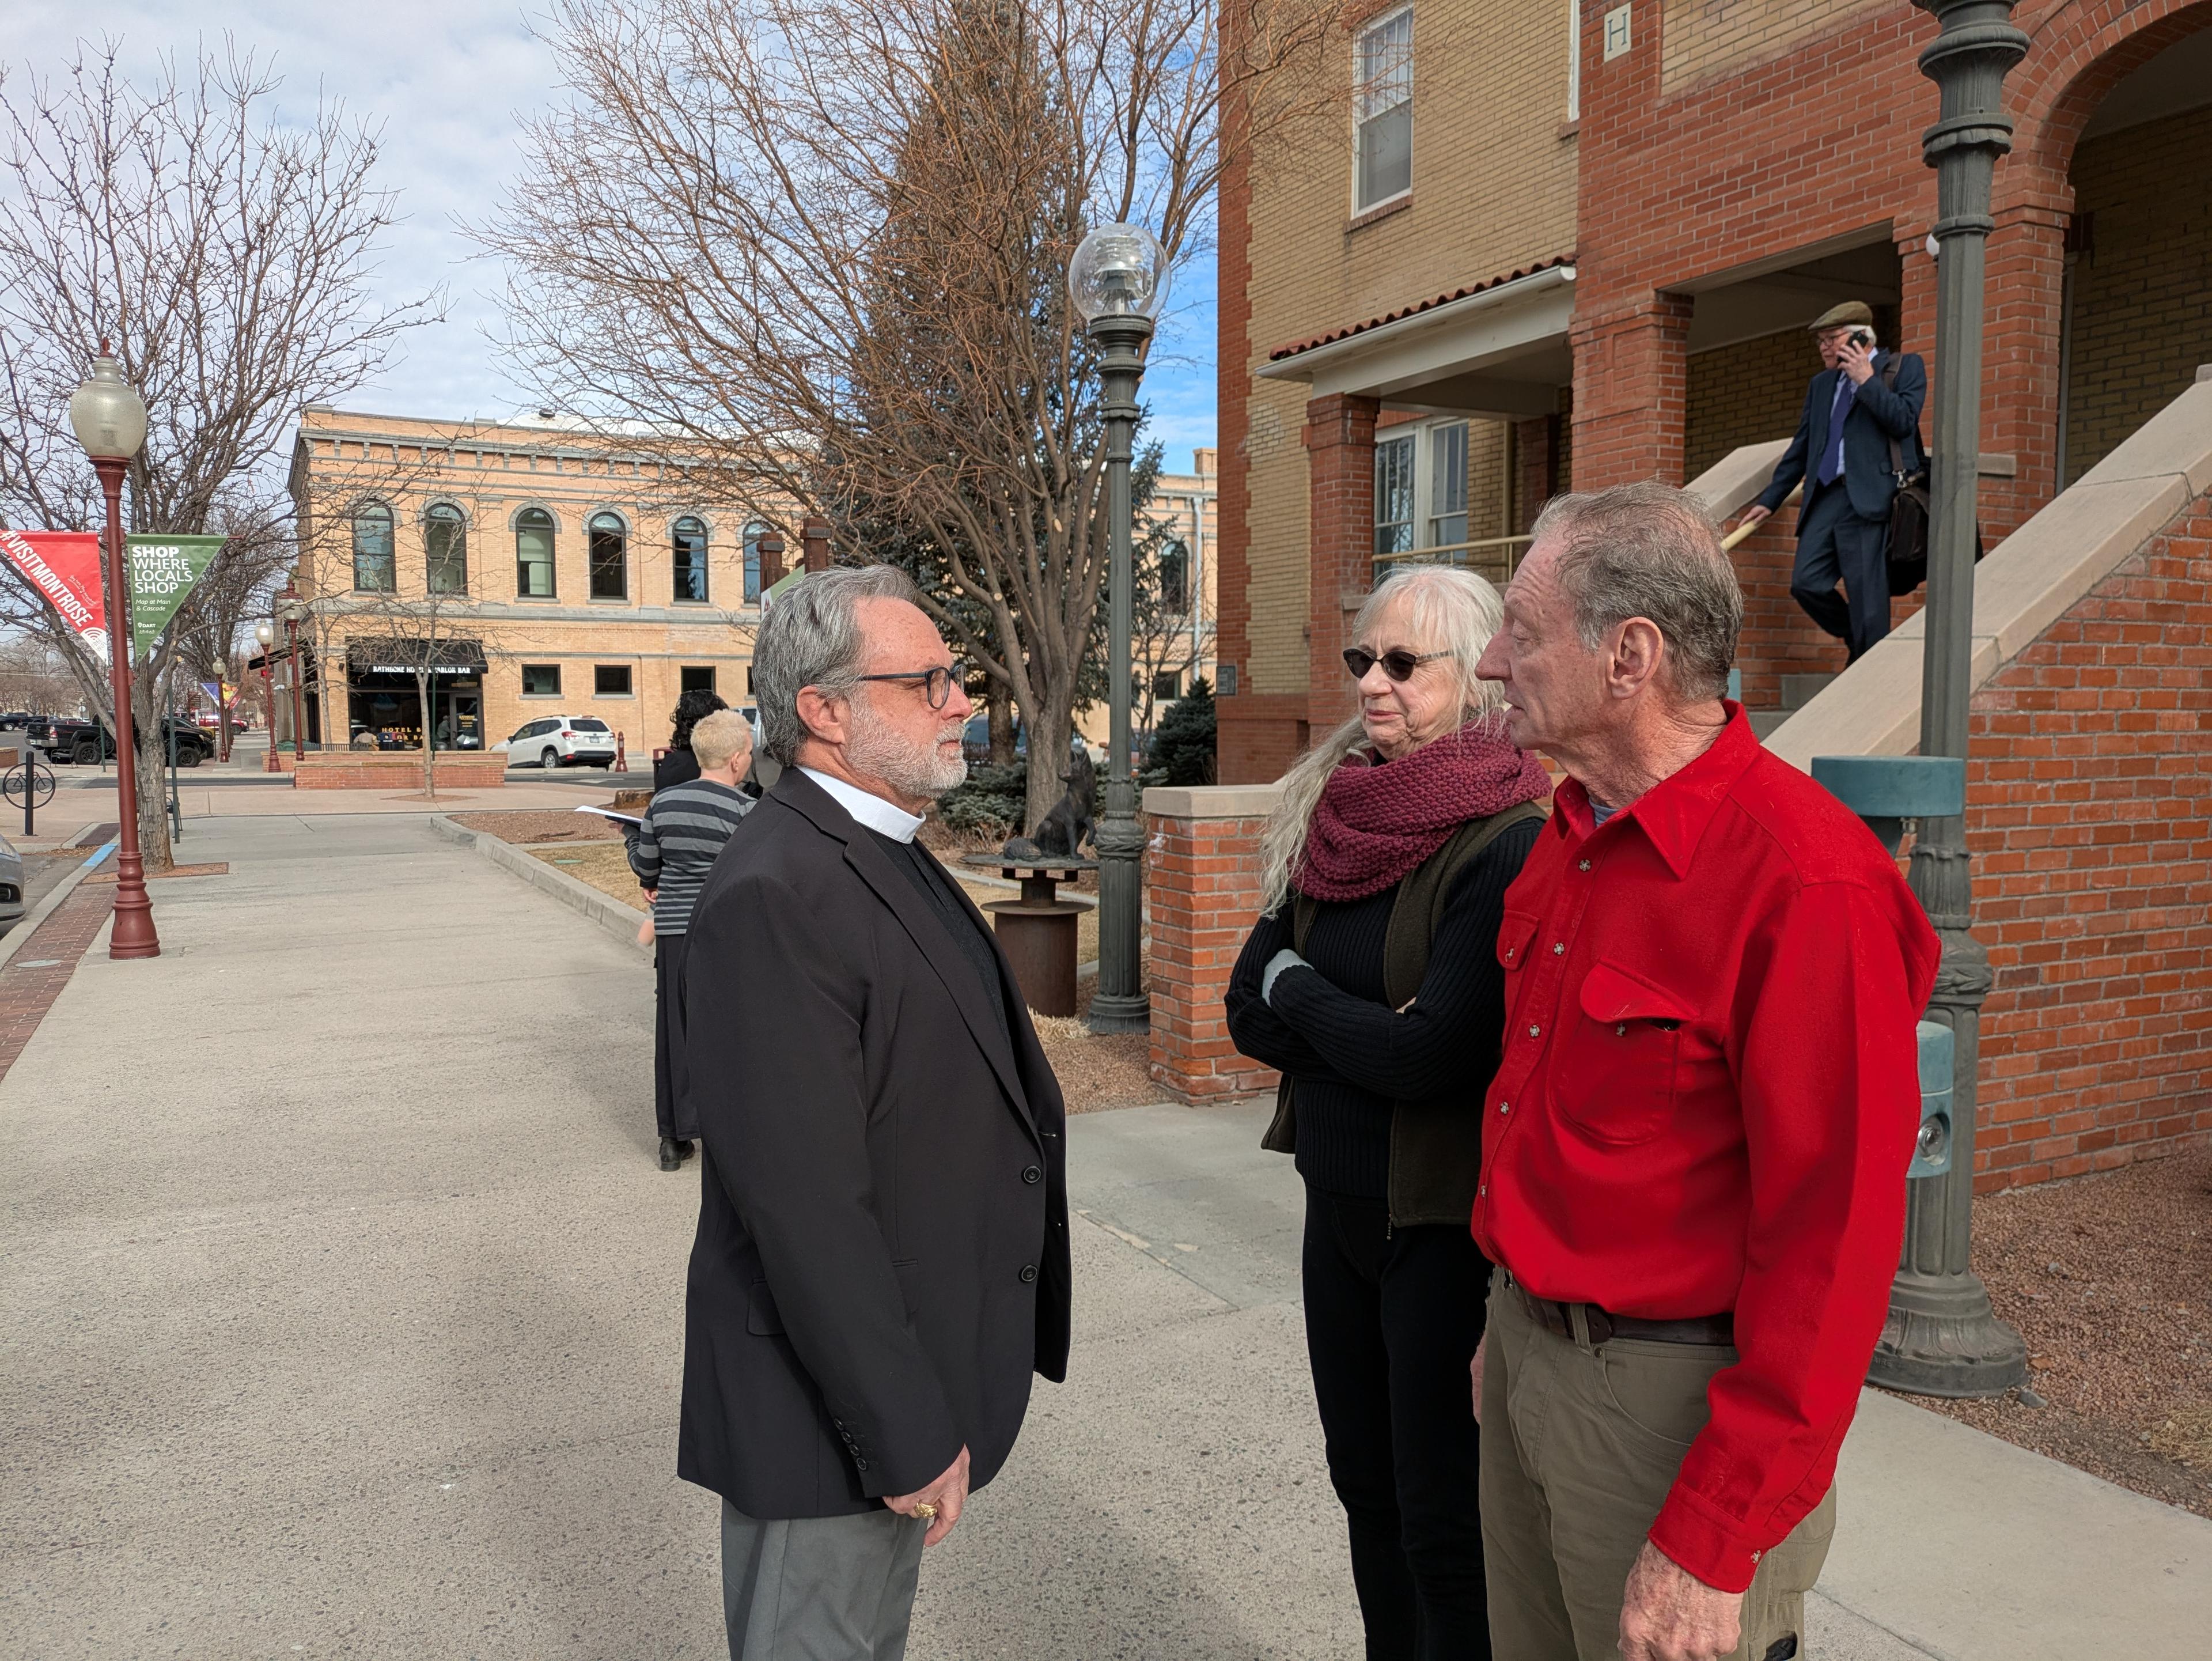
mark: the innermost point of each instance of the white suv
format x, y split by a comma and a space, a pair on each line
558, 740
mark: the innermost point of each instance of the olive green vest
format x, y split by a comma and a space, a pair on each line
1435, 1145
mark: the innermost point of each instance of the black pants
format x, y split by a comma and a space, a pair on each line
1392, 1321
671, 1076
1836, 545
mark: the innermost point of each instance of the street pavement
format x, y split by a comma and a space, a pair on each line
345, 1318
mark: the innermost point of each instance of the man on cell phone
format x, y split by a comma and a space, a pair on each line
1864, 398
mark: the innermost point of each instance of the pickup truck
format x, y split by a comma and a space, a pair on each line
87, 743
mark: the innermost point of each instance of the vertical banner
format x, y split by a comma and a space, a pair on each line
162, 572
65, 567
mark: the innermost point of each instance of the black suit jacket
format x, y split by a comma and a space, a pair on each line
881, 1254
1877, 414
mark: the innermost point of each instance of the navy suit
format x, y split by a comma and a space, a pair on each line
1843, 527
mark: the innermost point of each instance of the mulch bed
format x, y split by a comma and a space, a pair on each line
541, 825
2109, 1278
1097, 1071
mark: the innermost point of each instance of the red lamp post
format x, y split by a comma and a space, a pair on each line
290, 608
110, 421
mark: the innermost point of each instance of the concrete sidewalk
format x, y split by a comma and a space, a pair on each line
345, 1318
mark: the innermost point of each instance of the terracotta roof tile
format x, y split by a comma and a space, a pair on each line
1279, 353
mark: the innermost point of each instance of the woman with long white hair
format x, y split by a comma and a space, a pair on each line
1371, 981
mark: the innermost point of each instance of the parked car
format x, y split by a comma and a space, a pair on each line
11, 885
87, 743
561, 741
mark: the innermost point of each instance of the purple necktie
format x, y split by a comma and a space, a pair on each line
1832, 456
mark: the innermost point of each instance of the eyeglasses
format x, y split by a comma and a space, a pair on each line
936, 683
1398, 663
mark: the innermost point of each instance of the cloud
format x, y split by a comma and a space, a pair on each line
449, 84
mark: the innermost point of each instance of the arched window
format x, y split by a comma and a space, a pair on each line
688, 541
1174, 579
609, 543
373, 571
754, 532
533, 554
445, 548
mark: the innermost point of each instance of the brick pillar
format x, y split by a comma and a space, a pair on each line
814, 542
2026, 290
1202, 872
1631, 373
1340, 441
1535, 469
771, 559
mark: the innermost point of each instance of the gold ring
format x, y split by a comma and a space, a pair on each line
925, 1512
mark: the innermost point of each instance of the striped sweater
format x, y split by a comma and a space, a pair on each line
675, 849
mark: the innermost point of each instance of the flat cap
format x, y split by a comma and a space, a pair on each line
1843, 316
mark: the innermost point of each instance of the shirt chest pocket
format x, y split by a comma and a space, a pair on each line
1617, 1070
1515, 929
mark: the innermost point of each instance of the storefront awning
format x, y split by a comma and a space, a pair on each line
405, 655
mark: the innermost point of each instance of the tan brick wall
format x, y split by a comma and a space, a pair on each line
492, 471
1746, 394
1716, 37
2142, 295
1494, 188
2089, 815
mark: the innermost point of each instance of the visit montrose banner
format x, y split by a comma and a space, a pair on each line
65, 567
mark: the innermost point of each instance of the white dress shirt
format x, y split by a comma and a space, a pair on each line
873, 811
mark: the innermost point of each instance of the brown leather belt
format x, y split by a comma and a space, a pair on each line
1558, 1318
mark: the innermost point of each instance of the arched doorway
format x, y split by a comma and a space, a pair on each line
2136, 316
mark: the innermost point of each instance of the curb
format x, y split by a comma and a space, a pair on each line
611, 914
48, 905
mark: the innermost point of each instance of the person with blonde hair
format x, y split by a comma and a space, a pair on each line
1371, 982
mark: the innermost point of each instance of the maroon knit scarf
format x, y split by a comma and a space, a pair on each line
1377, 820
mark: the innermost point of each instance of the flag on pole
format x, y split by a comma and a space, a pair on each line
65, 567
164, 570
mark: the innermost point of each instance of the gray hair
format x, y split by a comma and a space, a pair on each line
1445, 610
1650, 550
812, 638
720, 735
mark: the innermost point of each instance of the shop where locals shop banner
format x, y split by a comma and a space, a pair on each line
65, 567
163, 571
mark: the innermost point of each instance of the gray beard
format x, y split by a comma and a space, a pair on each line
873, 749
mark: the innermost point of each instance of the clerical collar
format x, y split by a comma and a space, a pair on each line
887, 818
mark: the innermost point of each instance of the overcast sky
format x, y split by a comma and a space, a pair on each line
447, 80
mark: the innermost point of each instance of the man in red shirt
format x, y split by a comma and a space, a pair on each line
1694, 1149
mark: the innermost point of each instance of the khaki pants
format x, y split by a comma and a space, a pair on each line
1579, 1448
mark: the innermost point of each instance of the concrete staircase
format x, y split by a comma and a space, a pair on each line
2024, 585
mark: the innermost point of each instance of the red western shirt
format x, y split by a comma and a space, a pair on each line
1707, 1099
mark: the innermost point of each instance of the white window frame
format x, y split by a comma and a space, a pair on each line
1361, 116
1422, 436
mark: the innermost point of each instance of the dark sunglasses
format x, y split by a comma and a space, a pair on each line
1398, 663
936, 683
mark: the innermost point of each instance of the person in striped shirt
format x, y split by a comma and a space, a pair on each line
672, 852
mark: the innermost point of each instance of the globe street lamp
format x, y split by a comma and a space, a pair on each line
1942, 1337
110, 421
1116, 283
266, 637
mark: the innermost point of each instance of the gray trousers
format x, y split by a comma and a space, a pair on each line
820, 1588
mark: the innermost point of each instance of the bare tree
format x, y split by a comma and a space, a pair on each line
32, 677
227, 257
826, 239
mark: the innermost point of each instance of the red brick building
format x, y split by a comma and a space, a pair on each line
1597, 266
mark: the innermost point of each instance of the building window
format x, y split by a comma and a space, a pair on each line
533, 554
373, 570
1446, 485
610, 680
1395, 461
445, 546
1167, 685
754, 532
695, 678
609, 544
1382, 135
541, 680
1174, 579
688, 539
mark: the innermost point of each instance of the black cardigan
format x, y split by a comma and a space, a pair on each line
1352, 1054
